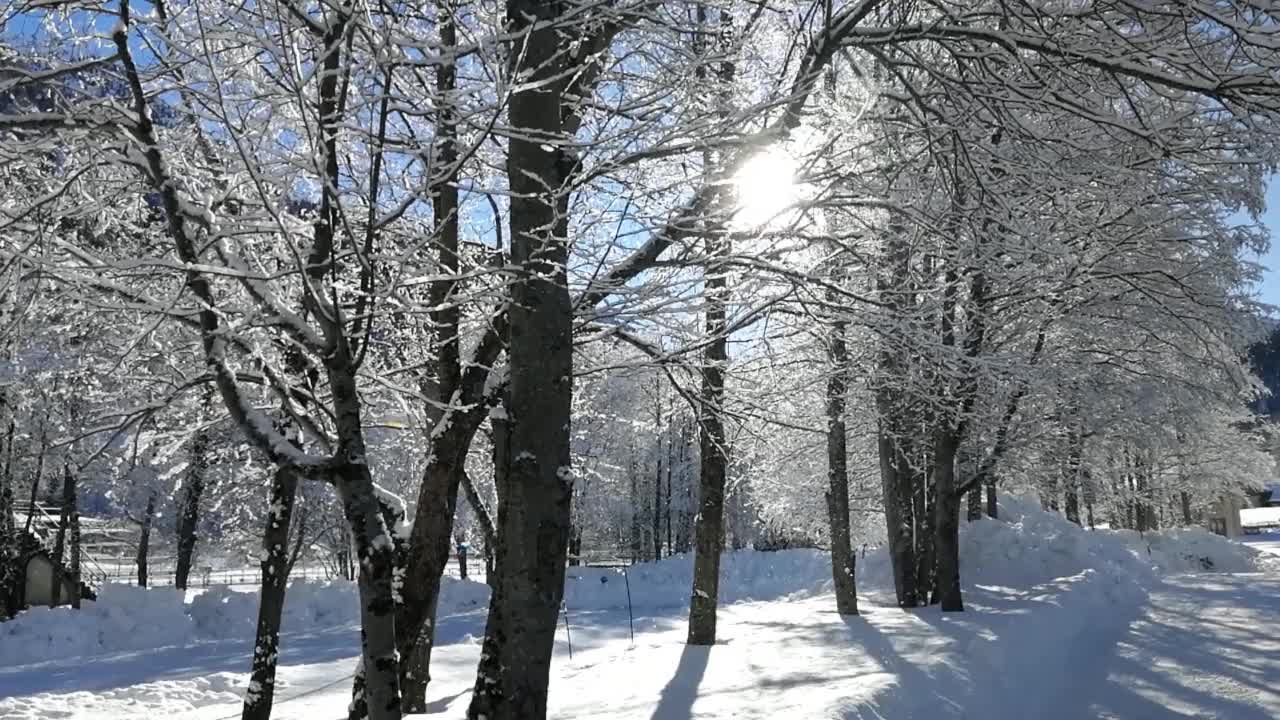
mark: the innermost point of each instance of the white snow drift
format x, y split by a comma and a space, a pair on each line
1024, 549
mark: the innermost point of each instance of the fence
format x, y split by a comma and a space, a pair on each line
165, 575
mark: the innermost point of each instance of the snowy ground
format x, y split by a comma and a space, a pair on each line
1266, 542
1040, 639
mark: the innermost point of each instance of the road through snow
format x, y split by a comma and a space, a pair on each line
1204, 647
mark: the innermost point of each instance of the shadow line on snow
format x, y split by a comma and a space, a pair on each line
676, 702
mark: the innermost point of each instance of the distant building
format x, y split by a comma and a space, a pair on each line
1255, 520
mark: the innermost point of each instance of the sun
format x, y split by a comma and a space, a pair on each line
765, 188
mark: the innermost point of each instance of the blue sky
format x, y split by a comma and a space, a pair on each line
1269, 289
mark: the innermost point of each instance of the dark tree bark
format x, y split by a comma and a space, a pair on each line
35, 480
485, 695
842, 557
895, 479
1072, 474
1071, 505
671, 548
634, 503
60, 543
973, 507
189, 512
380, 692
656, 519
924, 505
709, 532
10, 548
993, 507
72, 500
144, 539
1186, 507
275, 577
946, 523
533, 512
684, 530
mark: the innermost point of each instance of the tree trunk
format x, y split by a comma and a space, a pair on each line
35, 480
657, 506
709, 532
671, 548
375, 552
974, 507
946, 524
485, 696
432, 533
10, 554
634, 504
1071, 476
842, 557
924, 504
275, 578
1072, 505
72, 501
189, 512
896, 485
60, 544
533, 514
144, 540
1186, 508
993, 510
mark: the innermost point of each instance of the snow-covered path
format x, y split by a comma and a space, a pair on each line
1266, 542
1204, 647
1200, 648
1063, 625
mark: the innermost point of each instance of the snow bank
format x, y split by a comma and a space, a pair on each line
1027, 545
744, 575
1185, 550
1025, 549
127, 618
310, 605
123, 618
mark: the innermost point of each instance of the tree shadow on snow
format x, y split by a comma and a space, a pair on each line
1156, 674
100, 673
681, 691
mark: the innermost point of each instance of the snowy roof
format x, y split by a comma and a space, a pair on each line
1260, 517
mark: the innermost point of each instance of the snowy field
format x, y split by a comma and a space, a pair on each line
1061, 624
